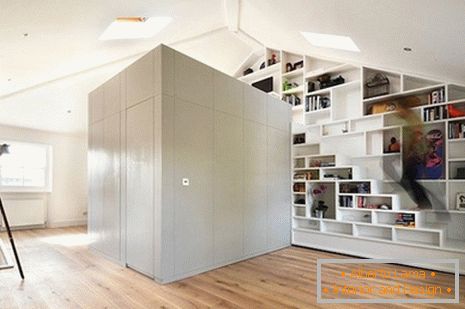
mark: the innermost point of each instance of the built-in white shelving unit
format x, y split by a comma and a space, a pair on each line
341, 138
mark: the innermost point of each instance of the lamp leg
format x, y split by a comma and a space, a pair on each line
10, 236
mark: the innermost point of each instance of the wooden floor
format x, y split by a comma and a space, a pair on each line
63, 273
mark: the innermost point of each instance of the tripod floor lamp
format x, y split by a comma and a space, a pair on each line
4, 150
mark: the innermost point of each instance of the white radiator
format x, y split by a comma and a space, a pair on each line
24, 212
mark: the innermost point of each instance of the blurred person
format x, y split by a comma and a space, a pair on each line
417, 151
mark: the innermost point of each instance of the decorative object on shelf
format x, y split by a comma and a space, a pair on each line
292, 67
299, 201
394, 146
248, 71
382, 107
320, 210
363, 202
314, 163
433, 165
289, 67
310, 86
325, 81
315, 192
299, 139
273, 59
288, 86
262, 66
332, 176
460, 201
353, 187
298, 65
460, 173
455, 112
363, 188
377, 85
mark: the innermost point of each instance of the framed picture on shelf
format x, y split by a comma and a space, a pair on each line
461, 201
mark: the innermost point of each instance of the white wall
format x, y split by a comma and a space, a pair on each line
67, 202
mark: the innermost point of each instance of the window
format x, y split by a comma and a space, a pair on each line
26, 167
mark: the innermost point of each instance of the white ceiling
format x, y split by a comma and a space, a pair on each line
61, 60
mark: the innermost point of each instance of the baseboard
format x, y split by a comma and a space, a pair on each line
66, 223
24, 227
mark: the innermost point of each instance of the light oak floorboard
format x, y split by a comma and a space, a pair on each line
63, 275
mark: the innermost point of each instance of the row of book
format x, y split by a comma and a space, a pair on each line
437, 96
456, 130
345, 201
435, 113
362, 202
292, 99
405, 220
316, 102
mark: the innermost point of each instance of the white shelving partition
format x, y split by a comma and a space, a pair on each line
348, 136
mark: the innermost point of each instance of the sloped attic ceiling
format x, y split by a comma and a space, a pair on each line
434, 29
52, 69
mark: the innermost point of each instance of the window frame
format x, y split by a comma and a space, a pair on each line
47, 188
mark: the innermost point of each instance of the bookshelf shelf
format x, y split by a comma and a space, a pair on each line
327, 90
294, 73
338, 69
318, 111
401, 94
261, 74
294, 90
456, 140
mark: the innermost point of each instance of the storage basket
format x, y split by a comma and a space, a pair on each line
377, 85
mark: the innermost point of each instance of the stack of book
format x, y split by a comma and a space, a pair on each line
316, 102
456, 130
345, 201
405, 220
435, 113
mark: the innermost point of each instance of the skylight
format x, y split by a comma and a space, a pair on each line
331, 41
127, 28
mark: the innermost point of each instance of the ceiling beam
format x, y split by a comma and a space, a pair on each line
231, 13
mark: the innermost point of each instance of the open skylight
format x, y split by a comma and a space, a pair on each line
126, 28
331, 41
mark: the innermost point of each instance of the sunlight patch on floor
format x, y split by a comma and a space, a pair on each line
68, 240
